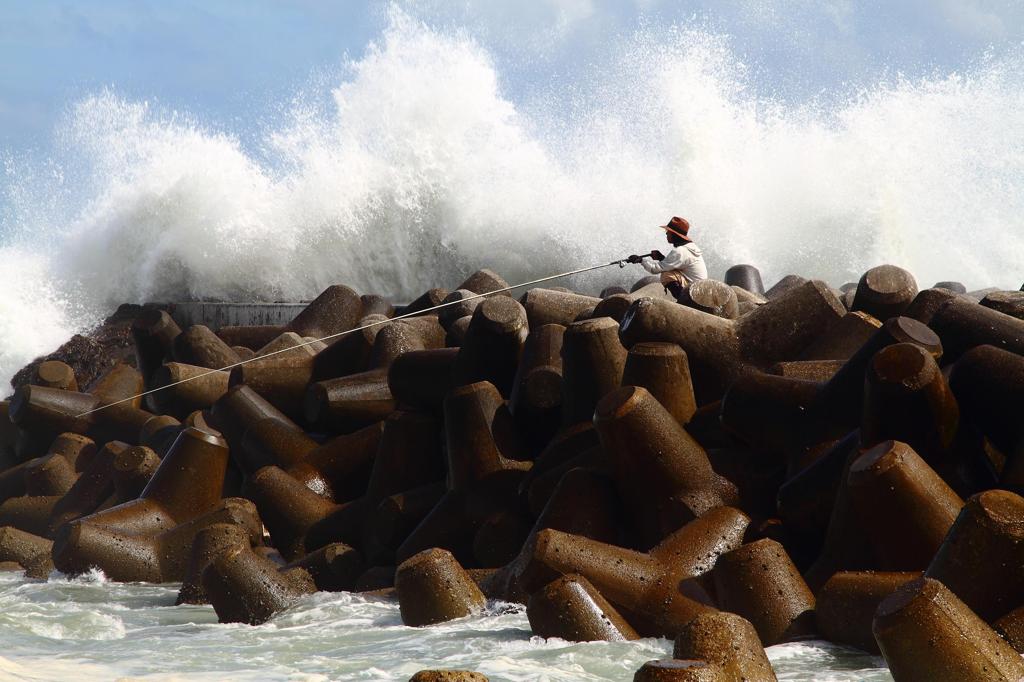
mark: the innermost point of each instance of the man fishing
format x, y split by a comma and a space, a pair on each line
682, 266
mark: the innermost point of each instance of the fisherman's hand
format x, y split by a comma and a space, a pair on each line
657, 255
634, 259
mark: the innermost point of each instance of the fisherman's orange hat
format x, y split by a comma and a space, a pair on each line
679, 227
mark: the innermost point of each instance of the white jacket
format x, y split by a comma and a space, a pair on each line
686, 259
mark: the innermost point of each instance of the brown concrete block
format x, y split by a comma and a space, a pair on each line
536, 398
926, 633
49, 475
339, 469
95, 485
592, 364
885, 291
448, 676
843, 339
663, 370
493, 344
428, 299
56, 374
349, 353
662, 474
334, 568
963, 324
209, 542
981, 557
26, 549
241, 408
572, 609
29, 514
759, 582
404, 336
673, 670
349, 403
727, 641
421, 379
120, 382
200, 390
818, 371
712, 297
395, 517
288, 509
746, 277
127, 557
154, 332
903, 505
199, 346
784, 285
1007, 302
484, 282
336, 309
433, 588
247, 588
847, 603
547, 306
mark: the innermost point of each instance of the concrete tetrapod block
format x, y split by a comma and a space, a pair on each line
592, 364
78, 450
270, 442
981, 558
784, 286
404, 336
988, 382
457, 305
288, 509
727, 641
885, 291
456, 335
245, 587
421, 378
339, 470
133, 470
1007, 302
95, 485
759, 582
433, 588
843, 339
663, 370
583, 503
903, 505
428, 299
394, 518
186, 388
208, 543
335, 310
713, 297
546, 306
926, 634
847, 603
839, 405
675, 670
241, 408
448, 676
409, 456
349, 353
493, 343
662, 474
282, 385
29, 514
768, 413
199, 346
536, 398
49, 475
29, 551
153, 331
720, 350
1011, 628
187, 484
124, 557
906, 398
484, 282
818, 371
572, 609
53, 411
349, 403
654, 591
745, 276
963, 324
334, 568
56, 374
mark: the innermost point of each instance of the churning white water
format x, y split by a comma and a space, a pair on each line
90, 629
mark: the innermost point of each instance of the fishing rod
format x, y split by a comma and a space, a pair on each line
621, 263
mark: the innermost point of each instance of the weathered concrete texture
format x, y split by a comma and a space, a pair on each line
433, 588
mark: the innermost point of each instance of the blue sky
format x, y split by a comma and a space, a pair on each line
233, 62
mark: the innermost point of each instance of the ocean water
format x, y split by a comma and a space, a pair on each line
88, 628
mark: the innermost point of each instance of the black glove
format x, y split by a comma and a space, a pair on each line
657, 255
634, 259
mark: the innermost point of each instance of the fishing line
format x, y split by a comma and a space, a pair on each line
620, 263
